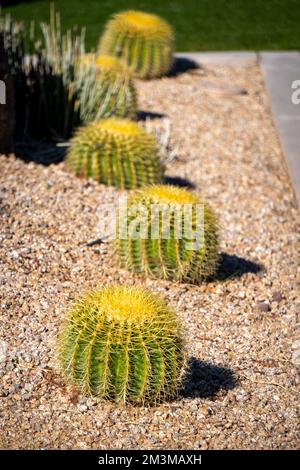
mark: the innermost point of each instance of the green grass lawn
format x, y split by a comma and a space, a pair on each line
201, 25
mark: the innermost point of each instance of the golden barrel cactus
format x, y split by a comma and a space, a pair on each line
144, 41
116, 152
123, 344
168, 232
107, 88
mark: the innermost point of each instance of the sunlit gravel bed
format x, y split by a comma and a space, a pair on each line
241, 327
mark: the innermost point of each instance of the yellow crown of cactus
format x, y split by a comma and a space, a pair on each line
123, 344
107, 88
144, 41
112, 64
176, 236
116, 152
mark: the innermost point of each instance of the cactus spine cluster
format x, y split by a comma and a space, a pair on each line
177, 237
123, 344
107, 88
116, 152
144, 41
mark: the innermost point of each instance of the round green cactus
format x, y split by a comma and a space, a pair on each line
123, 344
107, 88
144, 41
167, 232
116, 152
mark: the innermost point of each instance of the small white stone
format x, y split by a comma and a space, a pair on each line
3, 352
83, 408
296, 357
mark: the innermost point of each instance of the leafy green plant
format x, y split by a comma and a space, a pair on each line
176, 238
144, 41
116, 152
123, 344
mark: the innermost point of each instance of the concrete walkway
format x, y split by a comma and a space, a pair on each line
281, 70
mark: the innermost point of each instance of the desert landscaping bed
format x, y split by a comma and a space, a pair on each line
241, 326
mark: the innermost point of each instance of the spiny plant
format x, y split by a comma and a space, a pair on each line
50, 81
107, 88
47, 91
168, 232
123, 344
116, 152
13, 36
144, 41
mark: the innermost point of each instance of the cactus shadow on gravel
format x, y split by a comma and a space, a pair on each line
182, 65
205, 380
148, 115
179, 182
232, 266
42, 152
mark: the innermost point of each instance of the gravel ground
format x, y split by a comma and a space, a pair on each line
241, 327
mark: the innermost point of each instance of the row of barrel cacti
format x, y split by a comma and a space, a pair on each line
125, 343
118, 152
120, 343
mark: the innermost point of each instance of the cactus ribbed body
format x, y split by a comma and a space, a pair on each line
177, 237
144, 41
107, 88
123, 344
116, 152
